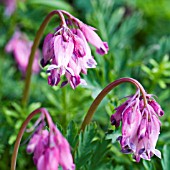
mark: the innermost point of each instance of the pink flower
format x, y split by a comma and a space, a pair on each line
69, 54
10, 6
140, 126
50, 149
20, 46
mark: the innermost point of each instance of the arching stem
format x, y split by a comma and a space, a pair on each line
22, 130
71, 16
33, 50
104, 92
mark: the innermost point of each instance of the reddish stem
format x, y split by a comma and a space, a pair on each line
104, 92
33, 50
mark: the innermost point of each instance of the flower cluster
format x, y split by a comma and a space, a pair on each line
50, 149
20, 46
140, 126
68, 52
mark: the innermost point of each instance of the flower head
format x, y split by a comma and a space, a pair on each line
20, 46
140, 126
68, 52
50, 149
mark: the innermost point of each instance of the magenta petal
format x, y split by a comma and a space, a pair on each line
54, 78
130, 127
94, 39
75, 81
71, 71
116, 118
53, 157
48, 49
74, 68
103, 49
63, 51
41, 146
64, 83
41, 164
49, 160
157, 108
33, 143
155, 130
157, 153
66, 160
142, 129
87, 61
79, 50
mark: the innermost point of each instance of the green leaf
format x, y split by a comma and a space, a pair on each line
34, 106
119, 168
115, 20
113, 135
147, 165
12, 139
146, 69
162, 84
84, 150
166, 157
53, 3
72, 134
153, 62
17, 107
100, 148
93, 150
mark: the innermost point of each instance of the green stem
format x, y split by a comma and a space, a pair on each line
104, 92
22, 130
33, 50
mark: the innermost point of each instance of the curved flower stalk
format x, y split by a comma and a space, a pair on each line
140, 126
140, 120
50, 149
68, 52
20, 46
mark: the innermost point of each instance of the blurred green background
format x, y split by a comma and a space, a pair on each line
138, 34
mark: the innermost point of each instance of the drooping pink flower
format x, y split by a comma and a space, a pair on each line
140, 126
50, 149
69, 54
20, 47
